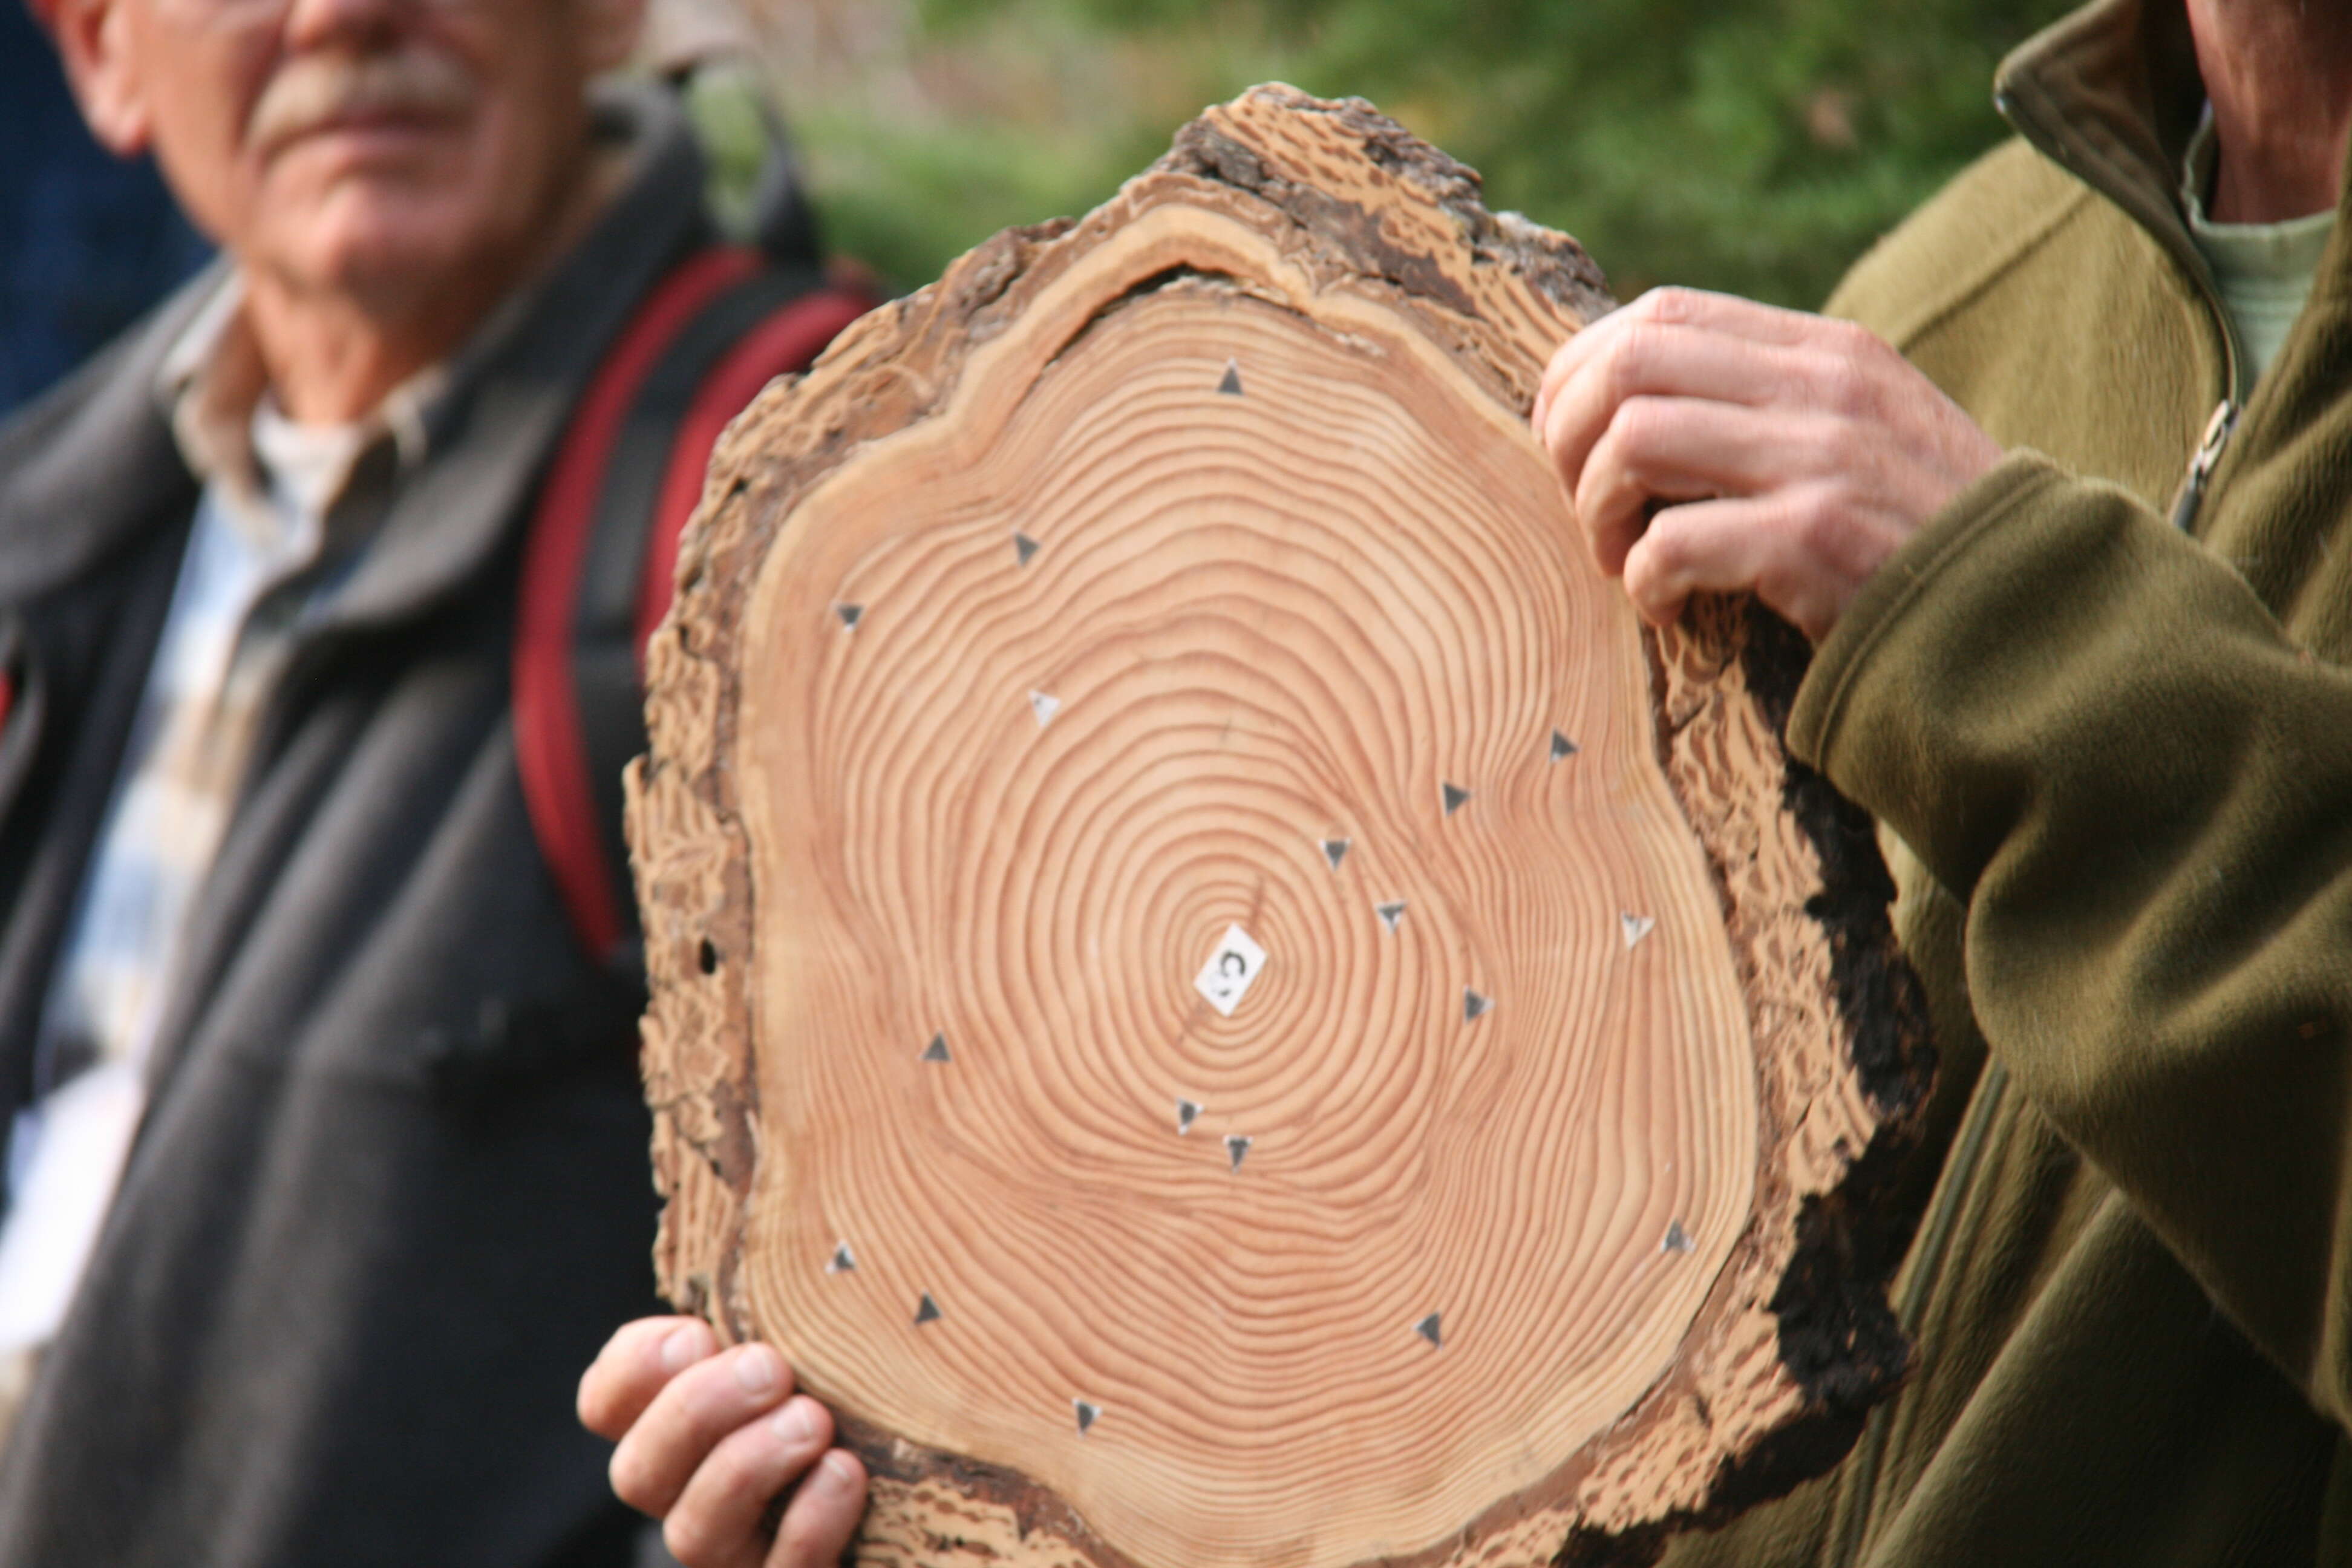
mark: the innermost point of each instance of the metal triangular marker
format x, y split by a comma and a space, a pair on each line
926, 1311
1188, 1111
849, 615
1473, 1006
1335, 850
1238, 1148
1561, 747
1454, 795
1391, 914
1678, 1238
937, 1051
1634, 927
842, 1260
1044, 707
1024, 547
1089, 1413
1430, 1329
1232, 385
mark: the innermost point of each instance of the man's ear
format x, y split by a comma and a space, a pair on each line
94, 36
608, 30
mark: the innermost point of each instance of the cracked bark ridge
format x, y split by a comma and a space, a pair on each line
1501, 1185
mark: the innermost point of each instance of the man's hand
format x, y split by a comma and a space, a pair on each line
1709, 443
708, 1439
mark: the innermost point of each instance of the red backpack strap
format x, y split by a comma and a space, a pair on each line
788, 340
598, 562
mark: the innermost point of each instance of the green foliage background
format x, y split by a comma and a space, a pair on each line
1752, 145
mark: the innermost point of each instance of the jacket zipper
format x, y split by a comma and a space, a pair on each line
2202, 463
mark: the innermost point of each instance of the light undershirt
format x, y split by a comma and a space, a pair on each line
2263, 270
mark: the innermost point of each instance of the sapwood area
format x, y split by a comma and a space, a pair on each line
1213, 990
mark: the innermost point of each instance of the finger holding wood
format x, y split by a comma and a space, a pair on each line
711, 1442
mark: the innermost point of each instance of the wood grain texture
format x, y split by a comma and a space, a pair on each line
1212, 989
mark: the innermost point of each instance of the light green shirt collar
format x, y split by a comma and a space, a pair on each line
2263, 270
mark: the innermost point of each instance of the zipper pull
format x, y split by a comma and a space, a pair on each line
2200, 466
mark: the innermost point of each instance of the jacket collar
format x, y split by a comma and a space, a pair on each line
90, 466
2112, 94
93, 467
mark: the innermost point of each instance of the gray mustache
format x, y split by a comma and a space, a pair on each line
313, 91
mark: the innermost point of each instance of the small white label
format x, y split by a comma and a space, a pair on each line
1226, 977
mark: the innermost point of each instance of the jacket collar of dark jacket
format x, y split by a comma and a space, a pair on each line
2112, 94
91, 469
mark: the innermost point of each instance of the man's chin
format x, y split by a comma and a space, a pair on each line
384, 242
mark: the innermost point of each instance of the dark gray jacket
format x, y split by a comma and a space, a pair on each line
391, 1194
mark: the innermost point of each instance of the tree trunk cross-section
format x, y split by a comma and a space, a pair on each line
1212, 991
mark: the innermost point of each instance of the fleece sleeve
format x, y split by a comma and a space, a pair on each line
2097, 737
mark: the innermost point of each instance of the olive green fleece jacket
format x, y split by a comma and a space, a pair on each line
2113, 762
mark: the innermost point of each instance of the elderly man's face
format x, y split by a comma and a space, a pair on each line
354, 147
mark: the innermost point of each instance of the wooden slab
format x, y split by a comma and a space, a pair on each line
1213, 990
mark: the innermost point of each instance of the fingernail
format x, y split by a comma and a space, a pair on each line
682, 1349
757, 1369
795, 1424
834, 1474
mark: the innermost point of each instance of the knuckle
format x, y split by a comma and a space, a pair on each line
1841, 444
1671, 303
1655, 594
1808, 533
1869, 363
744, 1473
1839, 387
1664, 551
702, 1401
1834, 378
1638, 427
805, 1538
1631, 358
1852, 339
1815, 523
799, 1542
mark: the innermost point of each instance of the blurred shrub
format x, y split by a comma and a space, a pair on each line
1753, 145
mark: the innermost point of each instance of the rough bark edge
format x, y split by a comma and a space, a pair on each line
1833, 1330
1838, 1337
1827, 1345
